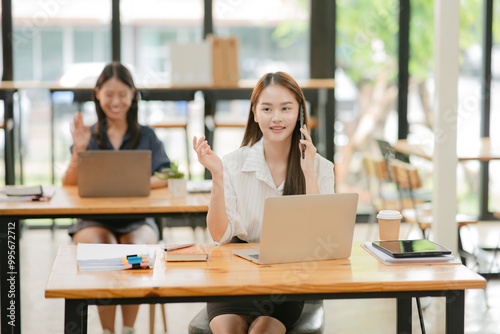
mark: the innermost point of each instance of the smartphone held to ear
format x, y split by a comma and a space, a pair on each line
301, 118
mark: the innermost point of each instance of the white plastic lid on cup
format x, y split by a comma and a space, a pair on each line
389, 214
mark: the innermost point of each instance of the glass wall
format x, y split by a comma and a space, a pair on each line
63, 42
68, 42
273, 35
421, 94
51, 39
494, 204
366, 87
148, 29
469, 103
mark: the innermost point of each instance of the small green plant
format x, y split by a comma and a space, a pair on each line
170, 173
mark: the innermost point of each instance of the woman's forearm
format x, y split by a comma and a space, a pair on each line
156, 182
217, 221
311, 184
70, 177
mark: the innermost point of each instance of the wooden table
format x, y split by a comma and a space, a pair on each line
225, 277
67, 203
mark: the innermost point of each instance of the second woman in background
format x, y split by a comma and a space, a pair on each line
116, 100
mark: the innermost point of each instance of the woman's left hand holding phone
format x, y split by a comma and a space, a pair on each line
307, 164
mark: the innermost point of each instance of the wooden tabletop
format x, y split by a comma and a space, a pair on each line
225, 274
67, 202
242, 84
481, 150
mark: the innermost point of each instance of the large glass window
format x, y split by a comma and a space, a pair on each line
273, 35
494, 204
50, 38
366, 87
51, 54
91, 44
148, 28
469, 103
64, 42
421, 93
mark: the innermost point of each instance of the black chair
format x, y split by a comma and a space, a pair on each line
311, 321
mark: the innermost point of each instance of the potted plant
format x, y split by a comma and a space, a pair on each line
176, 182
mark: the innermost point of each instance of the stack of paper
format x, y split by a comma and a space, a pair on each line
97, 257
389, 260
25, 194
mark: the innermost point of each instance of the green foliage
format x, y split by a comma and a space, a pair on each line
367, 35
421, 60
289, 32
496, 23
170, 173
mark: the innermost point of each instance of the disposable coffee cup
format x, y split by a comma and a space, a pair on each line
388, 224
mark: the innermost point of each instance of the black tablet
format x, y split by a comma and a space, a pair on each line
411, 248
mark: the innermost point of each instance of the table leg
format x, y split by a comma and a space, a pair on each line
404, 316
75, 316
455, 312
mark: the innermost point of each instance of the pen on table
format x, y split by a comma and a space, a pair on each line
178, 247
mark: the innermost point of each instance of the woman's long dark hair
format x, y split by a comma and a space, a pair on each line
295, 182
116, 70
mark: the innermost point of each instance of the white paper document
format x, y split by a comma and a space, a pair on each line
96, 257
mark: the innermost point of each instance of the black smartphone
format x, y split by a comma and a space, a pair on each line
301, 118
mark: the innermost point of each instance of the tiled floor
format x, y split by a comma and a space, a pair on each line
40, 315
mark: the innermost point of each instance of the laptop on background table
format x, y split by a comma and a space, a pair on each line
109, 173
305, 228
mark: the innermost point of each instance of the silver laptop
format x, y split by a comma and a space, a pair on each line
114, 173
305, 228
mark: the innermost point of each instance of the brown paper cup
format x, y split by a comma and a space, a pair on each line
389, 229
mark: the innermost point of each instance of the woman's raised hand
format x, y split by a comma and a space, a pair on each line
206, 156
80, 133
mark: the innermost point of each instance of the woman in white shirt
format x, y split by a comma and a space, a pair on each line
273, 160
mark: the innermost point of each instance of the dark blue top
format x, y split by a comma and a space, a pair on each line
149, 141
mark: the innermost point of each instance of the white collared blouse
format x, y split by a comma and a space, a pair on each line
248, 182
